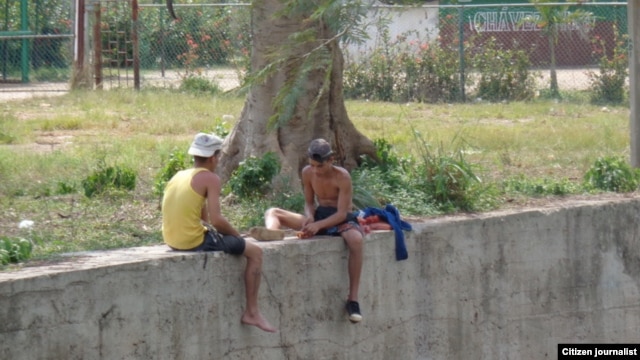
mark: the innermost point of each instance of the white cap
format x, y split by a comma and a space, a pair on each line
205, 145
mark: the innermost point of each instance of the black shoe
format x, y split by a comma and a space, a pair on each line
353, 308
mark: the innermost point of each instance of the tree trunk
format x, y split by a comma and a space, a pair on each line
317, 113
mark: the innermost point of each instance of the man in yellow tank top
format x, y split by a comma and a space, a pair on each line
191, 199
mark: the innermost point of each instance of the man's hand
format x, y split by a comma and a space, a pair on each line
303, 235
311, 229
307, 221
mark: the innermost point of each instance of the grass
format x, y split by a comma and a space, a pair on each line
47, 146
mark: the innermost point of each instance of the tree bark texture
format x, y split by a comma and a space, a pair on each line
316, 114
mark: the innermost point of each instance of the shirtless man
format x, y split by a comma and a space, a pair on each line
330, 186
191, 202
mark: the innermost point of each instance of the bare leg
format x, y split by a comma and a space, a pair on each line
275, 218
354, 241
252, 274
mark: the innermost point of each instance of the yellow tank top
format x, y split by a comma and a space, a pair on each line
181, 212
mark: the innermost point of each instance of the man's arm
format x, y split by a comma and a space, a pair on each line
215, 216
345, 196
309, 195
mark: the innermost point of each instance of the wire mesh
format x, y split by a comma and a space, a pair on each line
210, 41
452, 52
472, 45
35, 45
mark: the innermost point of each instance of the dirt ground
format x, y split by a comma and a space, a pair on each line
568, 79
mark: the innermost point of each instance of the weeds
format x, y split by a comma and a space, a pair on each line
446, 177
612, 174
14, 250
540, 187
108, 178
200, 86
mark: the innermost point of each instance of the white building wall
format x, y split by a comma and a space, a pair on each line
418, 24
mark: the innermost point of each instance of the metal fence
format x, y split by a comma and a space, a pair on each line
425, 49
209, 41
35, 45
212, 41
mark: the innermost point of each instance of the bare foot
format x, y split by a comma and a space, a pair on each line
257, 320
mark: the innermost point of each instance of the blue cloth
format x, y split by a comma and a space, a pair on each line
391, 215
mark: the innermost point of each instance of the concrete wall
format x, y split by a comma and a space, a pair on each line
505, 285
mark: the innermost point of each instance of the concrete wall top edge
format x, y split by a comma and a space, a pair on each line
94, 259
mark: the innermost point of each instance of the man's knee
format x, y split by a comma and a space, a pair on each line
354, 240
253, 251
271, 212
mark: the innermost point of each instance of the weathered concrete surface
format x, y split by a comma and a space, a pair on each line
506, 285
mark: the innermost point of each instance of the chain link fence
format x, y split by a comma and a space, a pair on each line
36, 50
207, 41
426, 53
496, 52
210, 41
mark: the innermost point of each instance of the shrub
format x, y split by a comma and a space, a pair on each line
109, 177
375, 77
431, 74
390, 169
503, 74
199, 85
607, 85
64, 188
404, 71
387, 158
177, 161
431, 183
253, 176
448, 178
612, 174
14, 250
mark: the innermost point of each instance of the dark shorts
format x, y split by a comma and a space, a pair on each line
214, 241
323, 212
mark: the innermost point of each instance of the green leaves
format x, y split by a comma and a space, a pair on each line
504, 73
253, 176
307, 55
109, 177
434, 182
177, 161
608, 84
14, 250
612, 174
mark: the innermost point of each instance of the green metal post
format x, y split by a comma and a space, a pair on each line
24, 26
5, 48
461, 50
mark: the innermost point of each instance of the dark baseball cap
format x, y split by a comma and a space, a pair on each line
319, 150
